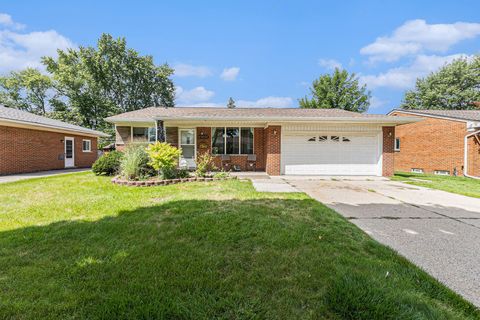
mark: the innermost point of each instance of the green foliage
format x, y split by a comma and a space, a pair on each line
205, 164
163, 158
27, 90
339, 90
134, 164
109, 79
231, 103
455, 86
221, 174
108, 164
182, 173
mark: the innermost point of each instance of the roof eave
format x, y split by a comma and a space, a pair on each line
44, 126
379, 120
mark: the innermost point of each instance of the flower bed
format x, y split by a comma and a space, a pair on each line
153, 182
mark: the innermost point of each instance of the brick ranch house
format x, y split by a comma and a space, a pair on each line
445, 142
278, 141
30, 143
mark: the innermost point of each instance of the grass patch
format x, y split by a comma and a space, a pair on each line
460, 185
77, 246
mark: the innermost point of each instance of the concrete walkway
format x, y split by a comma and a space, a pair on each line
437, 230
40, 174
262, 182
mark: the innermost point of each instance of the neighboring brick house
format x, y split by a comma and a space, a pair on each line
30, 143
275, 140
437, 144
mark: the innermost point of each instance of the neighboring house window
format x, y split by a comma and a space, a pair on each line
417, 170
142, 134
232, 140
397, 144
87, 145
442, 172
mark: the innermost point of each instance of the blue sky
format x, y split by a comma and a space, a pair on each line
261, 53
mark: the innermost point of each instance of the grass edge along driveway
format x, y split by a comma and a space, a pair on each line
76, 246
459, 185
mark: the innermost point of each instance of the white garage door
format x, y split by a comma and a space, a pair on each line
331, 154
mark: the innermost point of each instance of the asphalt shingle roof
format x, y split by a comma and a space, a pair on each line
470, 115
236, 113
16, 115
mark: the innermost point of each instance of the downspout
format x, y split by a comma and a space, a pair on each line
465, 156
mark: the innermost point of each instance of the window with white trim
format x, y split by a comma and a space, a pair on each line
416, 170
442, 172
143, 134
397, 144
232, 140
86, 145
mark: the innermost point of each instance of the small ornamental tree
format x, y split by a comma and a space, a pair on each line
163, 158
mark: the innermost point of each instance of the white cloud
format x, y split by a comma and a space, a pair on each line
416, 37
188, 70
22, 50
376, 102
267, 102
196, 94
330, 64
230, 74
405, 77
7, 21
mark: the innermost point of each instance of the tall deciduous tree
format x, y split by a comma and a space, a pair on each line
27, 90
109, 79
455, 86
338, 90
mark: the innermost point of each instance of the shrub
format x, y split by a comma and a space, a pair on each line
134, 164
182, 173
108, 164
205, 164
163, 157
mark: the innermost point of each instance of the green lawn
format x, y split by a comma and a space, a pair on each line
78, 247
461, 185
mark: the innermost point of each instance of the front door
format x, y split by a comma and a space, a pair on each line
69, 152
187, 144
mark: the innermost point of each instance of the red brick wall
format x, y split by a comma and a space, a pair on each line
473, 157
172, 136
388, 160
272, 149
431, 144
27, 150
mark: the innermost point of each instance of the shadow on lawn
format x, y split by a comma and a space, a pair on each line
269, 258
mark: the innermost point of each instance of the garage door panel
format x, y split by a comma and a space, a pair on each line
357, 155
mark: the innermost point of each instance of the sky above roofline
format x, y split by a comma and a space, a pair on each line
263, 54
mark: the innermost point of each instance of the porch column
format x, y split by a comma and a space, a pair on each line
272, 149
160, 131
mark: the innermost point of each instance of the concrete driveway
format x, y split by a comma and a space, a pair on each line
437, 230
